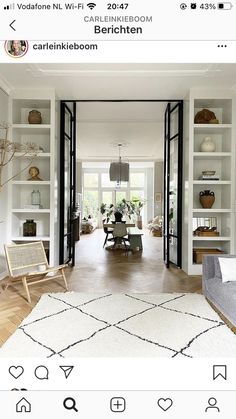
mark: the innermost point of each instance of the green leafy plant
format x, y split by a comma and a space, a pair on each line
137, 205
126, 208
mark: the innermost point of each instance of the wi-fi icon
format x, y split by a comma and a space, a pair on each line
91, 5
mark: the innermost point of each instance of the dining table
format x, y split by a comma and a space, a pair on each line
111, 226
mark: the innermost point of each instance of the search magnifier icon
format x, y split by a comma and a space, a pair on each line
70, 404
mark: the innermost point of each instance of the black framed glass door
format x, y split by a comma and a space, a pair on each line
67, 182
173, 167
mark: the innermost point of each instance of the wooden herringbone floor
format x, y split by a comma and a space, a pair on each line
100, 270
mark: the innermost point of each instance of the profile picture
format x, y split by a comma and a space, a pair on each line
16, 49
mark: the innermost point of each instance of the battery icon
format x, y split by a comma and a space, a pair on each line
225, 6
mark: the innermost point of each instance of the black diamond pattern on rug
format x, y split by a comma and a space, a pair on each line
161, 325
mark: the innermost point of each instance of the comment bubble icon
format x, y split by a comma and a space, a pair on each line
41, 372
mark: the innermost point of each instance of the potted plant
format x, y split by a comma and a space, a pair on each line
155, 226
137, 205
118, 211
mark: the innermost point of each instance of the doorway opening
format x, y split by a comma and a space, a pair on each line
172, 138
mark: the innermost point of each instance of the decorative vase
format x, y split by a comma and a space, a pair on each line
35, 117
35, 198
205, 116
139, 222
206, 198
29, 228
118, 217
207, 145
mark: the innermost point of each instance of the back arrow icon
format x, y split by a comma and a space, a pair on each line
12, 24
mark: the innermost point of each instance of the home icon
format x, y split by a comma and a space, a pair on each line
23, 406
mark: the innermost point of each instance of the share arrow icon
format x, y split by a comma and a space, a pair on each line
67, 369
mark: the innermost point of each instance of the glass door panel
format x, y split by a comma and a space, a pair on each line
173, 193
67, 183
173, 162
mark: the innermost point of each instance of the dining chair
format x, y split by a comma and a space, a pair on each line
120, 235
109, 232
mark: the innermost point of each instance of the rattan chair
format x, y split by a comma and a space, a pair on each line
28, 263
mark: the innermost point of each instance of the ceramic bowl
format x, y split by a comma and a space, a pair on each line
209, 172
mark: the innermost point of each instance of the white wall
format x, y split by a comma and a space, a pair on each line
3, 193
79, 177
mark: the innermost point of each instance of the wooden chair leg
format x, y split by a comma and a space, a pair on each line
6, 285
105, 240
126, 248
64, 278
115, 242
25, 285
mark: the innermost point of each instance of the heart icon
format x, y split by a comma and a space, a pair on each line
16, 372
165, 404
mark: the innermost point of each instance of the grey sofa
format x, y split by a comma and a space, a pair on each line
222, 295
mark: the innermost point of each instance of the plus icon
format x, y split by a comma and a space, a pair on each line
117, 404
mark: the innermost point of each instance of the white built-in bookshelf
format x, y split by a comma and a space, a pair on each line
222, 161
43, 135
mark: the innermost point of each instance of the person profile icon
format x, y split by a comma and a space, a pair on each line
16, 48
212, 402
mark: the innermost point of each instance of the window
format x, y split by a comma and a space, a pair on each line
136, 195
137, 180
107, 197
120, 195
90, 180
98, 189
106, 183
90, 203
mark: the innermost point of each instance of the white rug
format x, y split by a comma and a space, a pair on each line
121, 325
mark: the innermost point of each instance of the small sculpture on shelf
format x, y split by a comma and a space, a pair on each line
205, 231
205, 116
34, 173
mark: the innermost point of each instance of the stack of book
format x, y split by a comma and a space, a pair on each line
33, 206
210, 177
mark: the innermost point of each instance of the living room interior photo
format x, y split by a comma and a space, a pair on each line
117, 210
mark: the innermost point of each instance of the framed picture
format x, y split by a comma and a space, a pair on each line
158, 197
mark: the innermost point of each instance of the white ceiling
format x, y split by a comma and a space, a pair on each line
98, 140
137, 124
119, 81
121, 111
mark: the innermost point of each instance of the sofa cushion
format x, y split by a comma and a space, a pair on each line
217, 265
228, 269
223, 296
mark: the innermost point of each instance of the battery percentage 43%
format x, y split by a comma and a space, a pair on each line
208, 6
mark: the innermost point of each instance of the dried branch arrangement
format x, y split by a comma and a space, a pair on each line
11, 151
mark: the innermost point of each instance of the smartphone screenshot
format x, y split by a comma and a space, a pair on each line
117, 209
